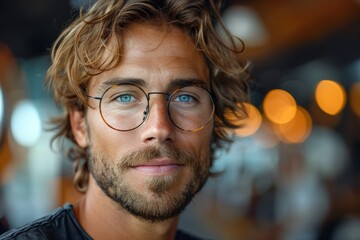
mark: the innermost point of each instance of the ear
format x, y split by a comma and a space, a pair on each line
78, 127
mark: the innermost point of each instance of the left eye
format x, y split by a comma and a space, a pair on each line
184, 98
125, 98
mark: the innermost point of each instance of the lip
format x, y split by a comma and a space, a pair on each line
158, 167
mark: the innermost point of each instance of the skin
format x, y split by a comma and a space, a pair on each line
158, 56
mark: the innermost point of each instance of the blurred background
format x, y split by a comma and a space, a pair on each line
293, 170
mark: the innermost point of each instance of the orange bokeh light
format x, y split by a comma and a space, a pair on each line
279, 106
354, 98
298, 129
250, 124
330, 96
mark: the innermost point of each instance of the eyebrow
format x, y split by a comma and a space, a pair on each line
118, 80
183, 82
174, 84
127, 80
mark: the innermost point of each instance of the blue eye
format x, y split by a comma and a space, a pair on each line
125, 98
184, 98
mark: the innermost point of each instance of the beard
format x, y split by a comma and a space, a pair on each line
164, 198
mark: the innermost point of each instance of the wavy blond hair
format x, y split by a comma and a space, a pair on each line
77, 56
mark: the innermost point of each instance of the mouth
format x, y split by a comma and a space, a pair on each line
158, 167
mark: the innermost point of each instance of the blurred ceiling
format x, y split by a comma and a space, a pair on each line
301, 30
297, 30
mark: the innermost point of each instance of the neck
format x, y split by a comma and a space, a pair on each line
102, 218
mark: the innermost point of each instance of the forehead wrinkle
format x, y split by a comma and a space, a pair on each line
163, 32
162, 29
136, 54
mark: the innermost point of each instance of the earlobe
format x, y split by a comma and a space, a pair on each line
78, 127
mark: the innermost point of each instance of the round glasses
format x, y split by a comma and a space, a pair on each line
124, 107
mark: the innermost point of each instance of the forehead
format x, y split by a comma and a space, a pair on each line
143, 38
157, 56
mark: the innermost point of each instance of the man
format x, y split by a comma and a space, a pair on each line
149, 90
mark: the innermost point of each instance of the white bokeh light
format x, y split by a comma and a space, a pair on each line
246, 24
25, 123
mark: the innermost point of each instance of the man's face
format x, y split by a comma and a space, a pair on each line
154, 170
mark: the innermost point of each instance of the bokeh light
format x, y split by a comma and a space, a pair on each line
354, 98
330, 96
250, 124
279, 106
298, 129
25, 123
236, 118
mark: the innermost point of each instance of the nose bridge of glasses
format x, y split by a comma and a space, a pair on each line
157, 105
167, 95
162, 99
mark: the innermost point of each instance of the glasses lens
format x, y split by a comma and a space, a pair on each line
191, 108
123, 106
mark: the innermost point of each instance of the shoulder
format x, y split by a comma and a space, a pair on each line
59, 224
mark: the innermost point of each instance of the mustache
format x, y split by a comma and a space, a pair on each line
146, 154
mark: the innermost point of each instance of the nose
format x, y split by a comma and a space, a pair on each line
158, 127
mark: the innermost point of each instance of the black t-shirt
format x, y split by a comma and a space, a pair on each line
60, 224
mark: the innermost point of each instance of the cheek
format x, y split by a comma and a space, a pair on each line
112, 145
103, 139
198, 143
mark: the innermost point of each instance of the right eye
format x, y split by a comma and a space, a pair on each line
126, 98
125, 95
